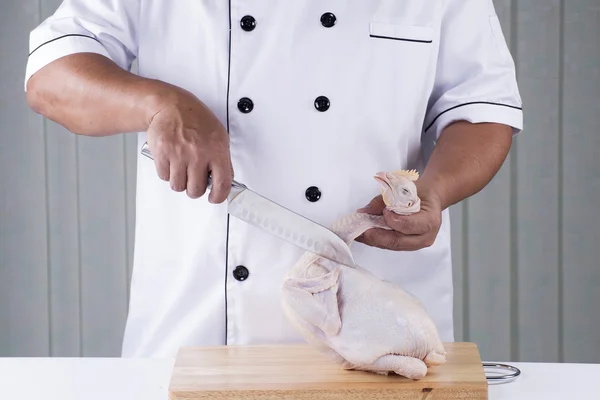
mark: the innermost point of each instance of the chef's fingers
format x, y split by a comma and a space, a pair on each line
162, 167
197, 181
414, 224
413, 242
178, 175
390, 240
220, 170
161, 151
161, 160
375, 206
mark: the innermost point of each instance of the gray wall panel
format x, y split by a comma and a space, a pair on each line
535, 189
24, 218
130, 154
63, 219
64, 263
581, 180
458, 260
103, 226
488, 225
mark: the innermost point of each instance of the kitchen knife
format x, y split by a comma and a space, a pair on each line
283, 223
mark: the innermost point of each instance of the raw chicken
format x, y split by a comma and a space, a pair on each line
360, 321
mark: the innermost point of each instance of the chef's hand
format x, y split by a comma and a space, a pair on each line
188, 143
409, 232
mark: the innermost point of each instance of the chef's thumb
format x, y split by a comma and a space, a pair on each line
375, 206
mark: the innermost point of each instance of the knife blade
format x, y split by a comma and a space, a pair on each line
282, 222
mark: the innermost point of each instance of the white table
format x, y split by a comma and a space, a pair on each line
148, 379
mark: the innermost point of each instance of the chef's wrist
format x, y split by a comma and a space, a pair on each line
157, 95
435, 188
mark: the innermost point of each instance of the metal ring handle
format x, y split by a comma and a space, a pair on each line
506, 377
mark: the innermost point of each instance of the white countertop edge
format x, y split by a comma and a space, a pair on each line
34, 378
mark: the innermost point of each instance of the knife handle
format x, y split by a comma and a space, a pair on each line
146, 152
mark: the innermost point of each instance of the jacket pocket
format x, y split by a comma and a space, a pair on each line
402, 32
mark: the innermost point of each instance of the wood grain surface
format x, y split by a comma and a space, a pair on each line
300, 372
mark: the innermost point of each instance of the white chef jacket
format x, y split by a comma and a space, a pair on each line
317, 97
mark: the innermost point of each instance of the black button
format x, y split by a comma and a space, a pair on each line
328, 20
245, 105
248, 23
240, 273
313, 194
322, 103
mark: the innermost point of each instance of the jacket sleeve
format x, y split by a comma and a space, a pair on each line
106, 27
475, 75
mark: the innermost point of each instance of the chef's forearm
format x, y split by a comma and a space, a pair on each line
465, 159
90, 95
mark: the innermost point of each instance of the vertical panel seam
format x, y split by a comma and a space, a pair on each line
47, 205
126, 225
79, 258
561, 46
514, 289
48, 239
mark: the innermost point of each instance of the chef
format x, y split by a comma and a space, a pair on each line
303, 102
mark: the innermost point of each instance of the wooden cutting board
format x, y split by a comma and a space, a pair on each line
300, 372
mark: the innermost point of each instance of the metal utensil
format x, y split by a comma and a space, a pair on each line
283, 223
501, 378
